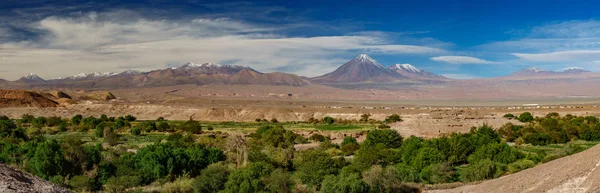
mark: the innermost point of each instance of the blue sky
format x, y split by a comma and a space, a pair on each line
459, 39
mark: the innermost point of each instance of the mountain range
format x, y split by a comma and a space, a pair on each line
360, 70
533, 71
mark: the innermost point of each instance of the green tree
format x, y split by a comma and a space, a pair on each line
279, 181
47, 160
212, 179
526, 117
427, 156
247, 180
344, 183
313, 166
389, 138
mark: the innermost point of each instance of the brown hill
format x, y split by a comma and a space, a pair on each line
575, 173
360, 69
15, 181
190, 73
18, 98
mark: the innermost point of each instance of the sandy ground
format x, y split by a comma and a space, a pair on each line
423, 122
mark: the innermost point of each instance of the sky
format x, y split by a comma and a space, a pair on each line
459, 39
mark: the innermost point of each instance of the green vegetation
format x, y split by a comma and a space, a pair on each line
123, 154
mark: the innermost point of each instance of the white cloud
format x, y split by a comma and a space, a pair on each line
562, 56
556, 37
567, 29
461, 60
98, 42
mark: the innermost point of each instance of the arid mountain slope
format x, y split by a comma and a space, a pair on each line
190, 73
15, 181
17, 98
573, 174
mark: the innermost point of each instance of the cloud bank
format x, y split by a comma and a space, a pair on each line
114, 41
461, 60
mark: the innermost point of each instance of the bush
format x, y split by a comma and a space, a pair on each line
180, 185
344, 183
318, 137
121, 183
350, 148
526, 117
482, 170
136, 131
328, 120
191, 126
81, 183
510, 116
393, 118
211, 180
274, 120
383, 126
520, 165
437, 173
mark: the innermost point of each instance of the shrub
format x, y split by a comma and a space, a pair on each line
211, 180
520, 165
121, 183
508, 115
344, 183
482, 170
406, 173
437, 173
274, 120
393, 118
350, 148
383, 126
328, 120
191, 126
136, 131
318, 137
81, 183
526, 117
180, 185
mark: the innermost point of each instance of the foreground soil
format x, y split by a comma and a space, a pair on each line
15, 181
577, 173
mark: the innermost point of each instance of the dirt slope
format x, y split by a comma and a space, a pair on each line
15, 181
573, 174
18, 98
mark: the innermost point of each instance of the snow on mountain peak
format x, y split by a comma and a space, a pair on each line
407, 67
32, 76
364, 58
534, 69
196, 65
573, 68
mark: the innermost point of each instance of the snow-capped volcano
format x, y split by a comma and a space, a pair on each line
413, 72
31, 78
360, 69
405, 67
